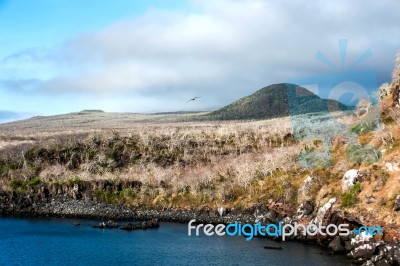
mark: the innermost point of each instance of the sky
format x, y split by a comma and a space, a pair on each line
60, 56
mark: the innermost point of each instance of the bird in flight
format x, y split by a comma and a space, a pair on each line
193, 99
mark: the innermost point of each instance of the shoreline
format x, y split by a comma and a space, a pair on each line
359, 250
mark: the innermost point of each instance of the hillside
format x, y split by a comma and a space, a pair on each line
277, 100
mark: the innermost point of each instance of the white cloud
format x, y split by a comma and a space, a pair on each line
222, 50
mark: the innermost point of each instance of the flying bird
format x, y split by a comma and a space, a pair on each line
193, 99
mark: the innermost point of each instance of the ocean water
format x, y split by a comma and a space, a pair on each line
39, 241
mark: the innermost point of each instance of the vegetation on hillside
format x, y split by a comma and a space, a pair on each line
276, 100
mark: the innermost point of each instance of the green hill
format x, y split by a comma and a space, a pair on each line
276, 100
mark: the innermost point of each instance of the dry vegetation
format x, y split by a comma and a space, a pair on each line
175, 162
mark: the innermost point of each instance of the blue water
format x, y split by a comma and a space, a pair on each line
58, 242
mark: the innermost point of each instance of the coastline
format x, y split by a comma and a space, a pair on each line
358, 249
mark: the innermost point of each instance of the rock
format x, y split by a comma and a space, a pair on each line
391, 252
350, 178
392, 167
221, 211
336, 245
347, 245
383, 262
360, 240
323, 211
306, 208
397, 204
376, 258
369, 199
365, 251
101, 225
380, 260
109, 225
271, 216
368, 263
153, 223
286, 220
257, 213
359, 261
305, 190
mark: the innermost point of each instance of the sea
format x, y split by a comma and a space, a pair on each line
55, 241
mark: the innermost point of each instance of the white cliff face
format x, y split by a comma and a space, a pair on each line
306, 208
323, 211
350, 178
304, 191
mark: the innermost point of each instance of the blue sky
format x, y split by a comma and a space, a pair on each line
59, 56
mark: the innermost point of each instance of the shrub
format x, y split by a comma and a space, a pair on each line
358, 153
107, 196
34, 182
73, 180
351, 197
17, 185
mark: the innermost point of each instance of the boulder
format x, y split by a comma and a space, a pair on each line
365, 251
380, 260
350, 178
362, 239
324, 211
271, 216
306, 208
336, 245
304, 191
221, 211
391, 252
383, 262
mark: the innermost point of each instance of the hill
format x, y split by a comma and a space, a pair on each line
277, 100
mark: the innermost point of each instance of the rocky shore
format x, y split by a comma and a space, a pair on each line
363, 250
